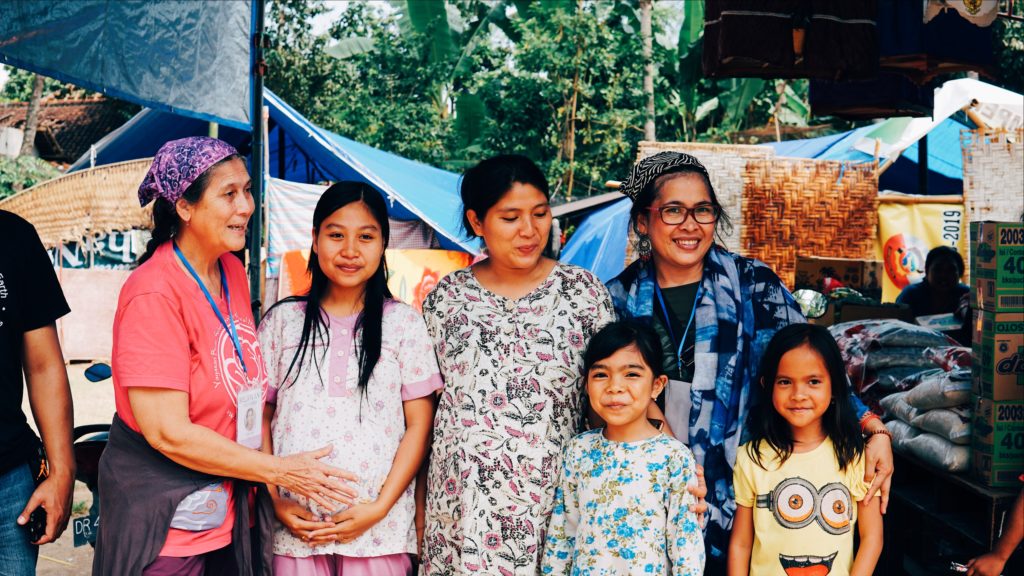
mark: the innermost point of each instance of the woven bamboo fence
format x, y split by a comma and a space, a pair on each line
803, 207
75, 206
993, 174
725, 164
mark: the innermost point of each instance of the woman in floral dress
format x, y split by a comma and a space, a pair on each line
509, 334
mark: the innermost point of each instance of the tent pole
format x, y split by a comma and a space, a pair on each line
280, 153
256, 115
922, 165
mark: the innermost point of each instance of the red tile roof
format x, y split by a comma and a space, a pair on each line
66, 127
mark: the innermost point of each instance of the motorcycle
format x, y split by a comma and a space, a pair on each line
89, 440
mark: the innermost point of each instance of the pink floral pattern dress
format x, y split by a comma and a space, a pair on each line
324, 406
513, 396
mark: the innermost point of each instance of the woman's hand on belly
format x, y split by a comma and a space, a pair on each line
297, 518
350, 524
305, 474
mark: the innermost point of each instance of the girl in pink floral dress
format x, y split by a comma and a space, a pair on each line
352, 367
510, 334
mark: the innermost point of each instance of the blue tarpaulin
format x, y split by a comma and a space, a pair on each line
191, 57
311, 155
945, 159
599, 243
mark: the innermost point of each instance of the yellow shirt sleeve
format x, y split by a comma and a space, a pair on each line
743, 478
855, 479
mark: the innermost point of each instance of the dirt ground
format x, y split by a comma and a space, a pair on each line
94, 404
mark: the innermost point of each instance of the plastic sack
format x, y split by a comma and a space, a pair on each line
881, 333
939, 452
940, 389
901, 432
896, 406
891, 356
950, 358
892, 379
953, 424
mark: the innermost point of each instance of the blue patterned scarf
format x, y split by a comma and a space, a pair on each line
743, 305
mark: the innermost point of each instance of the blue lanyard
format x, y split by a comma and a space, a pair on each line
668, 322
227, 297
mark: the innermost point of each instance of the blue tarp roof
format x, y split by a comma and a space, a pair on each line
945, 160
190, 57
310, 155
599, 243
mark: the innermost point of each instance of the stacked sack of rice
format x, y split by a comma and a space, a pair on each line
920, 381
932, 420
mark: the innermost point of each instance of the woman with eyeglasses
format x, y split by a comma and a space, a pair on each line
715, 312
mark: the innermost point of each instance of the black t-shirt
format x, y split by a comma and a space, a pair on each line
680, 301
30, 298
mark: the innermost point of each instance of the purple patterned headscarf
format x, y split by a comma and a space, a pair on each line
177, 165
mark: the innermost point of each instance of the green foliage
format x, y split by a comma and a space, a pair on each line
449, 82
23, 171
1008, 40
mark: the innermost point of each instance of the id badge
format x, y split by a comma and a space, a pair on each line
249, 422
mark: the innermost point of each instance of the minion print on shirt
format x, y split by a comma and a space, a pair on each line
804, 512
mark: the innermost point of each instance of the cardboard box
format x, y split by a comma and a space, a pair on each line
998, 442
998, 347
997, 266
864, 276
849, 312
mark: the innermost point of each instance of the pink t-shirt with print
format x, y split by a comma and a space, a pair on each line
167, 336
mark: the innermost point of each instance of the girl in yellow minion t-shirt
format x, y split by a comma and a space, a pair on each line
799, 482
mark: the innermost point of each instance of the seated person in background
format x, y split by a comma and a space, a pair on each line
941, 289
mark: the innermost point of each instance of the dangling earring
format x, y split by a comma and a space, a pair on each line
643, 247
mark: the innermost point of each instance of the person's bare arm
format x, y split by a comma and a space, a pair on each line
869, 525
49, 395
162, 415
992, 564
879, 469
741, 542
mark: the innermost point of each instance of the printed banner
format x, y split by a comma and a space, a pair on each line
116, 250
412, 274
907, 231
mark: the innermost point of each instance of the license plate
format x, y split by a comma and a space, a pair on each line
85, 530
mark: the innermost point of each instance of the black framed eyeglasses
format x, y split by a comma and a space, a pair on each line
676, 214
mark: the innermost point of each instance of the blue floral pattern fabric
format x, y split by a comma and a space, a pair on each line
743, 304
623, 508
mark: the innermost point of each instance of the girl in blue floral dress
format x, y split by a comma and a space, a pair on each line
621, 504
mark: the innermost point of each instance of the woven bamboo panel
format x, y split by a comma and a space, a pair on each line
803, 207
993, 174
725, 164
77, 205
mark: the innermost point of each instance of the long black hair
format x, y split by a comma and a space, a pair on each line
166, 222
839, 420
369, 322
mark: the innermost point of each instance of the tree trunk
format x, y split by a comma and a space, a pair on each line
647, 37
570, 135
32, 117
